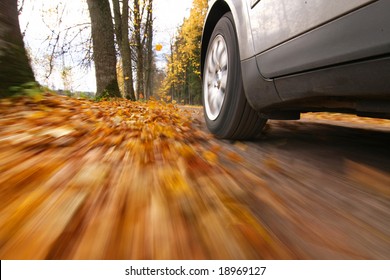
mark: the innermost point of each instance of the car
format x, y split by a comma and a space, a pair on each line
276, 59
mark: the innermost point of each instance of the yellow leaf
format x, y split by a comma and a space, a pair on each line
235, 157
210, 157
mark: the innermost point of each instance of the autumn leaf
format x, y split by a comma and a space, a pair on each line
210, 157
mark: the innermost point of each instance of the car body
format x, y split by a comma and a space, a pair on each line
274, 59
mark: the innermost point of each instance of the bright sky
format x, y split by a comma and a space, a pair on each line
169, 14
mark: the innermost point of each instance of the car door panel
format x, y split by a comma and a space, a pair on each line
361, 34
276, 21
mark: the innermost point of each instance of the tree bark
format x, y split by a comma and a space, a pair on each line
103, 48
122, 37
139, 48
15, 68
149, 65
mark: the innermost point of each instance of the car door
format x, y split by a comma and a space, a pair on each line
276, 22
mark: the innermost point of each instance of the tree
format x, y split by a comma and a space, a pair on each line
150, 67
139, 47
65, 40
70, 42
142, 41
122, 37
103, 48
15, 69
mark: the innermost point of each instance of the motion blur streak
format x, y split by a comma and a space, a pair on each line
122, 180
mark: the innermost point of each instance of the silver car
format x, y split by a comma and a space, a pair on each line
274, 59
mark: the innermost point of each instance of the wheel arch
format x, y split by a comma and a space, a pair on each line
216, 11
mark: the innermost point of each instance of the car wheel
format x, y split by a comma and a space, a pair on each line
227, 112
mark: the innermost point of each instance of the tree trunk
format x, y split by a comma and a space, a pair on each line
140, 49
103, 48
15, 69
126, 53
122, 36
149, 67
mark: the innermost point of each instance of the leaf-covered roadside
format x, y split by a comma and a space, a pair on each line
117, 180
346, 119
77, 124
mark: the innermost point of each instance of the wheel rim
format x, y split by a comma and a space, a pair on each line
216, 72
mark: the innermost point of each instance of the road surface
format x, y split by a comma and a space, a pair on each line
320, 188
128, 180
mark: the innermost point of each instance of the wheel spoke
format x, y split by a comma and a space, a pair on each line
215, 55
222, 56
220, 96
223, 81
209, 78
211, 66
223, 61
218, 51
212, 100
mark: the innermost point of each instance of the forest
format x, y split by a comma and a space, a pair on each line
117, 41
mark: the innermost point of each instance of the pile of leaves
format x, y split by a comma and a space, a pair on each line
117, 180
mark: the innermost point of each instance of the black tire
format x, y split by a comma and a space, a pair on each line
234, 118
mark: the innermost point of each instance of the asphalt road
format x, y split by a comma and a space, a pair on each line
321, 189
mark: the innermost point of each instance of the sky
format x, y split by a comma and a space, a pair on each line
169, 15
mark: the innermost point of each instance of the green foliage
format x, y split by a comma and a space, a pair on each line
31, 89
101, 97
106, 95
84, 95
68, 93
